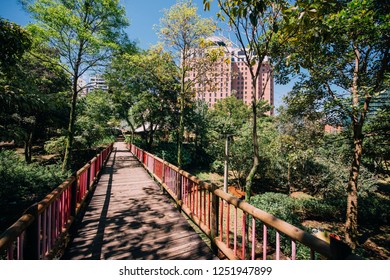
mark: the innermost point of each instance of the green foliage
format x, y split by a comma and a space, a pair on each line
36, 103
85, 33
105, 141
168, 152
94, 122
182, 30
56, 145
376, 145
143, 87
25, 183
280, 205
14, 41
283, 207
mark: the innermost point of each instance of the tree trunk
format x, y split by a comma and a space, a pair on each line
181, 119
150, 137
131, 127
255, 144
28, 147
351, 223
181, 133
70, 132
289, 177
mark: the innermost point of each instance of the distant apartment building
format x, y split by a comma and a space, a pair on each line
332, 129
82, 87
231, 76
97, 82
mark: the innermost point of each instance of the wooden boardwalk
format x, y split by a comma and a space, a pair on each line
128, 217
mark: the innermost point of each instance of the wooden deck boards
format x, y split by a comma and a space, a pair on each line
128, 217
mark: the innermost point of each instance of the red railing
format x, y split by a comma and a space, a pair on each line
46, 223
238, 229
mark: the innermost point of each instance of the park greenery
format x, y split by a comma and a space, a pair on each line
338, 52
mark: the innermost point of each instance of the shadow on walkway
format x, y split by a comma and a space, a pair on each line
129, 218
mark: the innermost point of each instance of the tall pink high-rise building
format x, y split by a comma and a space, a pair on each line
230, 75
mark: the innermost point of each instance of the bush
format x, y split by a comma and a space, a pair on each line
21, 182
56, 145
314, 208
283, 207
280, 205
105, 141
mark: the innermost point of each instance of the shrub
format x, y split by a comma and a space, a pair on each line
283, 207
56, 145
105, 141
21, 182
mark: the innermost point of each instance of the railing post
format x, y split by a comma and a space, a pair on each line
179, 185
214, 221
73, 197
163, 172
31, 245
89, 187
163, 177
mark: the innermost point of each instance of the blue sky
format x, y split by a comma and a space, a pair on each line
142, 14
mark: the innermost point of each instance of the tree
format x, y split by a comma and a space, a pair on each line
300, 134
95, 120
43, 86
122, 84
254, 24
345, 48
228, 118
84, 32
144, 89
31, 99
14, 42
183, 31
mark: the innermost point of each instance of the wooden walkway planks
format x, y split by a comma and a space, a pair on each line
128, 217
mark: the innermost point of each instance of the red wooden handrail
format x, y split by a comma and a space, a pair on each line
217, 214
44, 224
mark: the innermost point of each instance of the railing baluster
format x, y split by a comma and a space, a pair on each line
312, 254
264, 242
10, 252
243, 232
228, 225
44, 234
221, 220
209, 210
49, 227
206, 206
293, 249
253, 238
39, 236
277, 245
196, 199
19, 247
200, 198
235, 232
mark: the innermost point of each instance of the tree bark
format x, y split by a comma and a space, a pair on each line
351, 223
255, 143
28, 147
71, 127
72, 117
181, 118
181, 133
